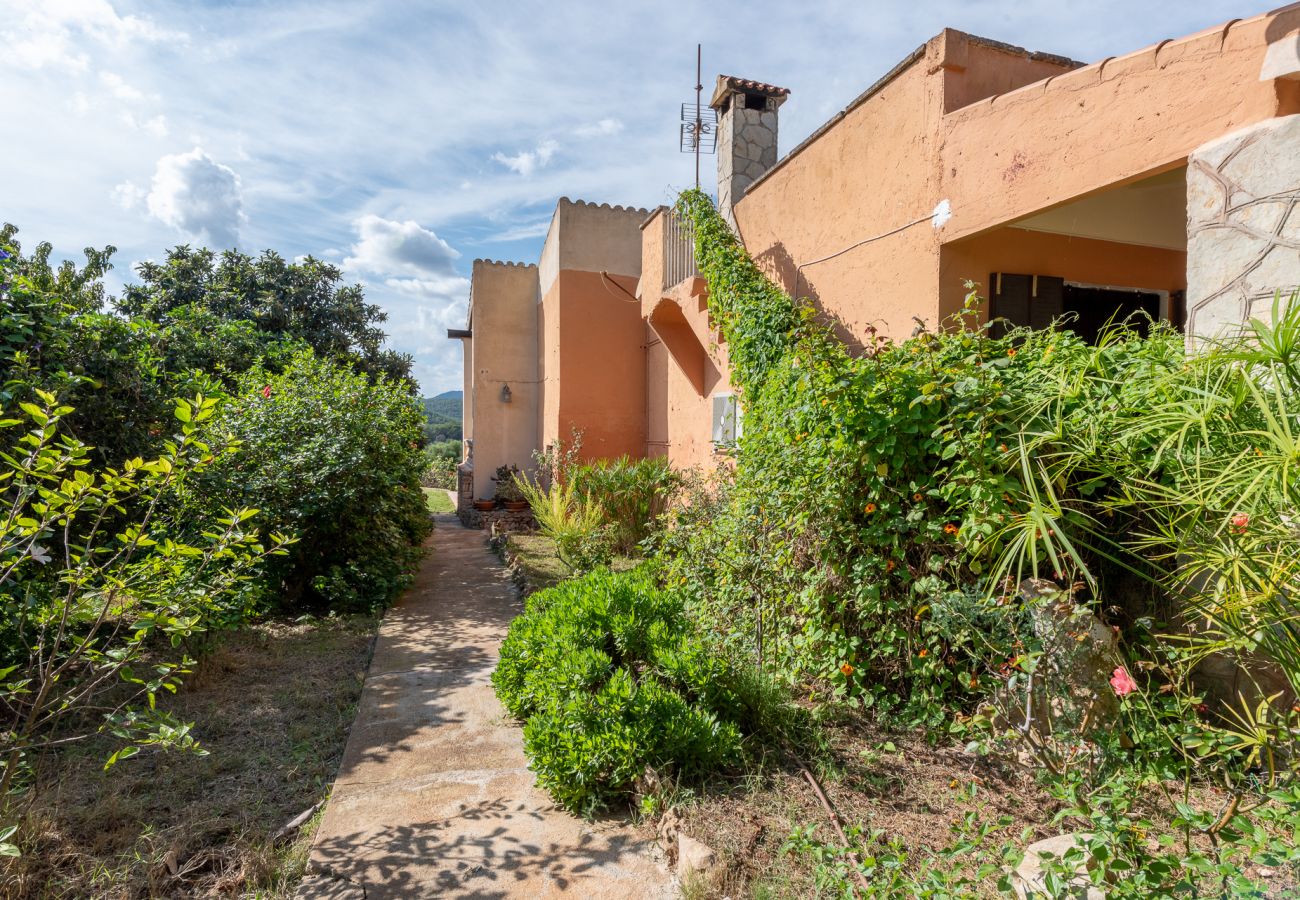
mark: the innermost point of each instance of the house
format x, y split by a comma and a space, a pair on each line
556, 348
1163, 181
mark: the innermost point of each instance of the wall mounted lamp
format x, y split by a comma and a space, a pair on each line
505, 393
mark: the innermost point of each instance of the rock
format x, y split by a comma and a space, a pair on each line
1072, 695
1028, 877
1242, 226
694, 859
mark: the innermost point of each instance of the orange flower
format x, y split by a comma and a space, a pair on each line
869, 508
1011, 352
917, 497
890, 566
950, 528
846, 669
923, 654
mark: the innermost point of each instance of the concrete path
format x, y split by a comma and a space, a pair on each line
433, 797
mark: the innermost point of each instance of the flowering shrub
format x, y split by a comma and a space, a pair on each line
335, 459
885, 507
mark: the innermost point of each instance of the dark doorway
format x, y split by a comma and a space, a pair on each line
1097, 308
1039, 300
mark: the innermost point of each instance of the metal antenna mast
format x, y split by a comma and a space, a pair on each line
699, 125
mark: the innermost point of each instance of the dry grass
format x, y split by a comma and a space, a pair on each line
272, 705
912, 791
534, 555
874, 779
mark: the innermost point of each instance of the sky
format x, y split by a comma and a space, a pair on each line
402, 140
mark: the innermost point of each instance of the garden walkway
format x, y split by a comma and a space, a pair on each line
433, 797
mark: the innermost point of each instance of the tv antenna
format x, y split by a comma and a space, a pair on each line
699, 132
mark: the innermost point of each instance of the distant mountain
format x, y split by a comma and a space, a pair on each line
443, 416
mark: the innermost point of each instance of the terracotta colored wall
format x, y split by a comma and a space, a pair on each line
591, 353
997, 133
871, 172
685, 363
548, 368
602, 383
467, 397
503, 319
1114, 121
975, 68
1072, 258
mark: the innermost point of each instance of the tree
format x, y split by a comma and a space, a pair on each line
303, 301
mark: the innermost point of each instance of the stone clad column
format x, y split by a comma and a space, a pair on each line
747, 133
1243, 226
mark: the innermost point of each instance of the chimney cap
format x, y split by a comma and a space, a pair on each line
730, 84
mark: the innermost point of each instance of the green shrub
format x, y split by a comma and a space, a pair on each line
334, 458
104, 589
632, 494
440, 462
885, 507
610, 678
575, 523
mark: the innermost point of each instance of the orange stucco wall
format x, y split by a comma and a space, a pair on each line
602, 375
686, 365
992, 134
1114, 121
999, 135
871, 172
503, 353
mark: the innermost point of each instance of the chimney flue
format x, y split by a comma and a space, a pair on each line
746, 136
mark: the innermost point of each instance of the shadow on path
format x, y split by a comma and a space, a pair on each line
433, 797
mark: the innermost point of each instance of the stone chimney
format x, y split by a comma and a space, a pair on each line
746, 135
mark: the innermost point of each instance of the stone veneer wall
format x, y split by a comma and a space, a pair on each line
497, 520
746, 149
464, 487
1243, 226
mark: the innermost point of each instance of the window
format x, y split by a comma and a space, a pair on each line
726, 420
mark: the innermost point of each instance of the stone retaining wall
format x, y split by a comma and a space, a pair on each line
497, 520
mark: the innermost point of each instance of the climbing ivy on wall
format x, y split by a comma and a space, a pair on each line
875, 497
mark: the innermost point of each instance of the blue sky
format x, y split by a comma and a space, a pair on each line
402, 140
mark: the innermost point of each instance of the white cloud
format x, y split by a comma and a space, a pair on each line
603, 128
53, 33
526, 162
127, 195
522, 232
118, 87
388, 247
195, 194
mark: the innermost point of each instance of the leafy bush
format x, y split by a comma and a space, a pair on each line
98, 575
334, 458
609, 678
507, 480
884, 508
576, 524
633, 495
440, 462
